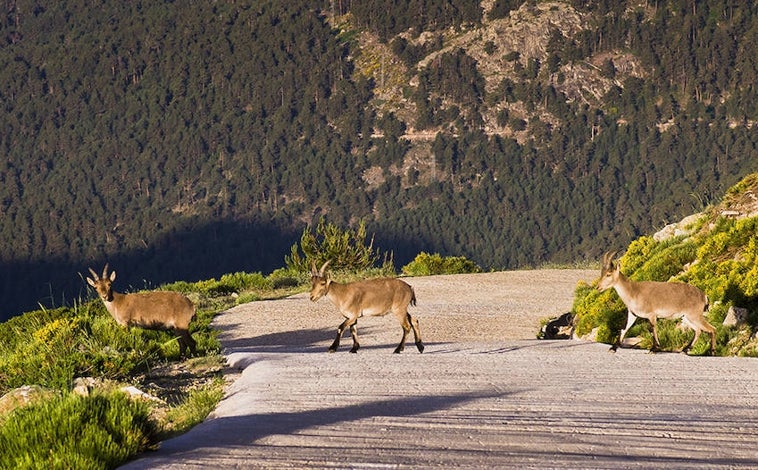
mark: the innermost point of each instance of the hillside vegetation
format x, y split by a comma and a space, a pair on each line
716, 250
184, 140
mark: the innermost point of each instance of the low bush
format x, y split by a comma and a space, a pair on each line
101, 431
345, 249
429, 265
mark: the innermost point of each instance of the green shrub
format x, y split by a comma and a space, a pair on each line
429, 265
284, 278
99, 431
51, 348
728, 263
233, 283
246, 281
247, 297
603, 310
346, 249
665, 261
181, 286
46, 356
18, 329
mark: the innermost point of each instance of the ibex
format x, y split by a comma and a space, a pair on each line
373, 297
158, 310
653, 300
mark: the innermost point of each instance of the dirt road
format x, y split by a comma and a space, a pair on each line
484, 394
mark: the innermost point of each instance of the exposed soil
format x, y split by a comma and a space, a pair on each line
484, 394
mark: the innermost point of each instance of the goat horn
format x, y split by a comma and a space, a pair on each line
323, 268
608, 259
94, 275
105, 271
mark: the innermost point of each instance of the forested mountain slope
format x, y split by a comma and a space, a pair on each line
185, 140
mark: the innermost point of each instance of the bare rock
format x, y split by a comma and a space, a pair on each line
735, 316
633, 342
23, 396
561, 327
591, 336
683, 227
83, 385
135, 393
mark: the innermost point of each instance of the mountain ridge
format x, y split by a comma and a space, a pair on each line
137, 130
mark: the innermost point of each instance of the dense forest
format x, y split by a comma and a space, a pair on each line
184, 140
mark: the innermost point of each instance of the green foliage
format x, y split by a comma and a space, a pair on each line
194, 409
720, 257
345, 249
428, 265
101, 431
728, 263
52, 348
228, 284
663, 260
602, 310
283, 278
46, 355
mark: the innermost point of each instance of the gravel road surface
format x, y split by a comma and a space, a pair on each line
484, 394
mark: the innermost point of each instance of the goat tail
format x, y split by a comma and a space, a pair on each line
707, 304
413, 297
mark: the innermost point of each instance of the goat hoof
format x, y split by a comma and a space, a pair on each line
354, 351
420, 347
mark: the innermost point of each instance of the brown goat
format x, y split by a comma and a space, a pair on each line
373, 297
157, 310
653, 300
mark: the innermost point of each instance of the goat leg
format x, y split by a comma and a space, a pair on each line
656, 344
354, 333
630, 319
416, 333
345, 324
687, 348
185, 341
336, 343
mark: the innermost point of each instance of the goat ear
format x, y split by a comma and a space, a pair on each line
90, 282
113, 276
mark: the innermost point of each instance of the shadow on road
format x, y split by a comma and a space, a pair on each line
207, 441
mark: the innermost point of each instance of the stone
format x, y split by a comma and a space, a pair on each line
22, 396
735, 316
559, 328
